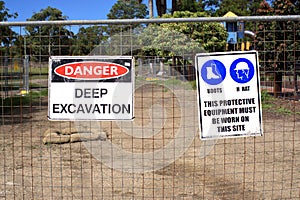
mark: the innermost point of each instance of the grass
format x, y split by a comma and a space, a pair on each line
36, 85
265, 96
32, 70
171, 83
266, 100
283, 110
18, 79
6, 104
39, 70
267, 104
35, 77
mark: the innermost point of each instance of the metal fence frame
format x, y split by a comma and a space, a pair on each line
246, 168
155, 20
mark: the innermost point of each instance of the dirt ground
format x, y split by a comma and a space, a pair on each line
266, 167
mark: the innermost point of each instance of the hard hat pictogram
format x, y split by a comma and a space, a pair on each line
242, 66
242, 70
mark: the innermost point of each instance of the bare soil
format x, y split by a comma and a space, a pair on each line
266, 167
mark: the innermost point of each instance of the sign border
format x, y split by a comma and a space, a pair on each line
198, 76
91, 58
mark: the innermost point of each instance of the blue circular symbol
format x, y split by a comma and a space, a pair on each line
242, 70
213, 72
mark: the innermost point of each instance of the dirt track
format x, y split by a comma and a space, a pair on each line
264, 167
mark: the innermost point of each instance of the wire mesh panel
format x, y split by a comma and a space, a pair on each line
158, 155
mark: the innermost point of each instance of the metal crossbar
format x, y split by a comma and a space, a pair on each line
154, 20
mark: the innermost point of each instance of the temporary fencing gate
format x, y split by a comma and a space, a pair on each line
158, 155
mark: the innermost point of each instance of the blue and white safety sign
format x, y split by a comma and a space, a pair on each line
228, 88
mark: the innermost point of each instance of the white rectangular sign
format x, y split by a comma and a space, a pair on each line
229, 94
91, 88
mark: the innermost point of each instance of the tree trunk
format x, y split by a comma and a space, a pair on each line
174, 6
277, 90
295, 83
161, 6
150, 5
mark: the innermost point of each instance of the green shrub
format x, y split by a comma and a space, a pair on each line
6, 104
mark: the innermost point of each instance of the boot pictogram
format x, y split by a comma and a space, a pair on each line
212, 72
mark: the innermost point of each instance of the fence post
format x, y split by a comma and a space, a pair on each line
25, 89
5, 76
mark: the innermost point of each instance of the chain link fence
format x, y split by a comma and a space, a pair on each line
158, 155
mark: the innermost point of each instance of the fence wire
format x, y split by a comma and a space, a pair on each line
159, 155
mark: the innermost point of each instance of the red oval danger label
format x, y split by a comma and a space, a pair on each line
91, 70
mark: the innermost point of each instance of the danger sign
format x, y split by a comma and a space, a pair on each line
229, 94
91, 70
91, 88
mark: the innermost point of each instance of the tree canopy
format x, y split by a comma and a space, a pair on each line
278, 41
172, 39
57, 40
211, 36
47, 40
127, 9
7, 35
87, 39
